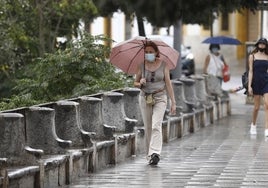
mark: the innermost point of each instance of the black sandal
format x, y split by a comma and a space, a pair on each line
155, 158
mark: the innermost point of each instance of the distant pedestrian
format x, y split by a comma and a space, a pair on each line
213, 69
258, 81
214, 62
153, 78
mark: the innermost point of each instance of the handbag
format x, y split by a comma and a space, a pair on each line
226, 73
149, 99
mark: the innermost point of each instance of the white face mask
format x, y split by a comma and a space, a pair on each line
150, 57
215, 50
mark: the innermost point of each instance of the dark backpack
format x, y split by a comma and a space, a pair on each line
245, 81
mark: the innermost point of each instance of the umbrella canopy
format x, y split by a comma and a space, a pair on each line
129, 54
222, 40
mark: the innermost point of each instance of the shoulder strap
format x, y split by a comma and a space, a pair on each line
215, 61
222, 58
163, 64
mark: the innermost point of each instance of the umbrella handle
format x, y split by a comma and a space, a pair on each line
143, 72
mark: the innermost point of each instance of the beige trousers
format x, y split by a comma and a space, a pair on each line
152, 116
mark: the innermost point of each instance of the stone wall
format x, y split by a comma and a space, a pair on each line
50, 145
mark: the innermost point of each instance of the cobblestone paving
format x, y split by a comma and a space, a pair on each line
221, 155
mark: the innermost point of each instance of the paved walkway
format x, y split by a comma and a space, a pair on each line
221, 155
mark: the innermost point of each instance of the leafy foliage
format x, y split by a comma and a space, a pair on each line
10, 59
17, 101
164, 13
80, 69
28, 29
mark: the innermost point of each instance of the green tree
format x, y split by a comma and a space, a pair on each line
10, 58
165, 13
80, 69
28, 29
35, 25
162, 13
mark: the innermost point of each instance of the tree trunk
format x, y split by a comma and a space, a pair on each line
211, 24
176, 73
87, 25
41, 29
155, 30
141, 26
128, 28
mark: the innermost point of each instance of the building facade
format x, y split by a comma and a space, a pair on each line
245, 26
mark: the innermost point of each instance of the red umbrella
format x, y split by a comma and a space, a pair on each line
129, 54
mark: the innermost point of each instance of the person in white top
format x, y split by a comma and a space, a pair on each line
214, 62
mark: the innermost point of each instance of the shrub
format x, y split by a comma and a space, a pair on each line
82, 68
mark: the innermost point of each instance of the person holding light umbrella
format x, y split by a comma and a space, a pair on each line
150, 61
153, 78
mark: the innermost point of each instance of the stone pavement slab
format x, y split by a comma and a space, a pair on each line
223, 154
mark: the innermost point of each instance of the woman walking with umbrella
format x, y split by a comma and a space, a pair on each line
153, 78
150, 61
214, 62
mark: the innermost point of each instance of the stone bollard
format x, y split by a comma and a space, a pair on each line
221, 97
114, 113
184, 108
4, 173
131, 104
204, 98
225, 104
190, 96
201, 92
183, 105
189, 91
12, 141
12, 136
213, 86
91, 118
68, 126
41, 132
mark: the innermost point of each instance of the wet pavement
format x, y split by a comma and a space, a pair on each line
223, 154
